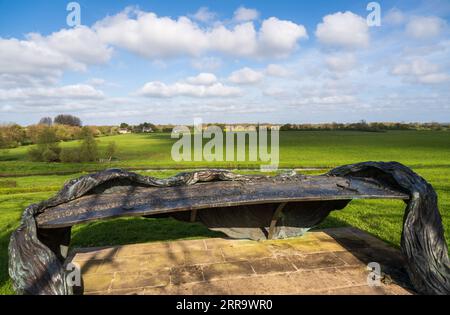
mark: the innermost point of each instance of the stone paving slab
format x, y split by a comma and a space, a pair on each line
330, 261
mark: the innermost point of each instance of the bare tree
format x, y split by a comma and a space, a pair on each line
67, 120
45, 121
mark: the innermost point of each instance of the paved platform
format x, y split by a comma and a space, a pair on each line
331, 261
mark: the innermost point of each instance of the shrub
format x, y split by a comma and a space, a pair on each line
62, 132
70, 155
35, 154
11, 136
111, 150
50, 155
108, 130
89, 148
47, 148
34, 131
66, 132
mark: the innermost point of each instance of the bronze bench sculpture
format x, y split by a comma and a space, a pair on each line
241, 206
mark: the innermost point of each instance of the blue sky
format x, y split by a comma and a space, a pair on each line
225, 61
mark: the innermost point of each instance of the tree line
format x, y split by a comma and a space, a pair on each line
65, 128
365, 126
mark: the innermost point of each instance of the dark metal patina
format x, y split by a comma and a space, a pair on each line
254, 207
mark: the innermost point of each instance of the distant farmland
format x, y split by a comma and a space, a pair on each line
322, 149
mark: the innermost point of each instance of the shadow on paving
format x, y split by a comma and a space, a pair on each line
136, 230
364, 247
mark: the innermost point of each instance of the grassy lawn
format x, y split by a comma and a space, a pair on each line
427, 152
297, 149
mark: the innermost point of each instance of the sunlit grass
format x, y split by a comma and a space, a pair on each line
297, 149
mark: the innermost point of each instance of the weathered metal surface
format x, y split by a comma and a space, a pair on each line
240, 206
423, 242
131, 200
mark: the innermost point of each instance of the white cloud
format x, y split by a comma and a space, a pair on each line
160, 89
80, 43
76, 91
202, 79
204, 15
277, 71
243, 14
394, 17
246, 76
27, 57
8, 80
340, 62
47, 57
148, 35
346, 30
279, 38
434, 78
151, 36
241, 40
421, 27
420, 71
416, 67
326, 100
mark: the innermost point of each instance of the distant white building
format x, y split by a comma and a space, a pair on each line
123, 131
147, 129
238, 128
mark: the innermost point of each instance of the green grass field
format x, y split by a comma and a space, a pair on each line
297, 149
23, 182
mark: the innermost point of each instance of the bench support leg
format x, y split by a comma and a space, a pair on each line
193, 215
275, 217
